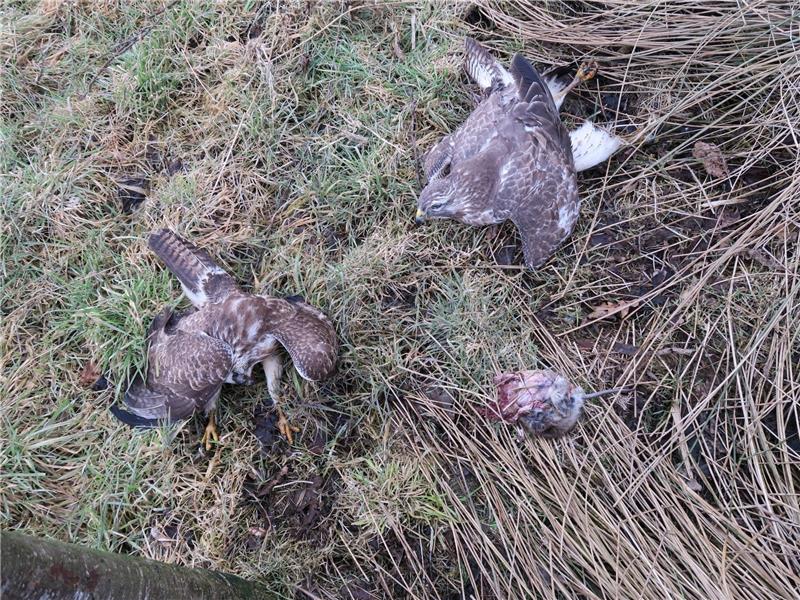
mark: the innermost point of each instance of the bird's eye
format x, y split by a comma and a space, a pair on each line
445, 171
438, 203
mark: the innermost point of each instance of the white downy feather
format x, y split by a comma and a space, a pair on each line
592, 145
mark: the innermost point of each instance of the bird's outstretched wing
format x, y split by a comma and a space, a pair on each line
306, 334
203, 281
543, 186
483, 68
185, 373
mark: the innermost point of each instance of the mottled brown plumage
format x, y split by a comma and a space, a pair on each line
220, 340
511, 159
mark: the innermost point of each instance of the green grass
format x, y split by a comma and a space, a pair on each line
282, 141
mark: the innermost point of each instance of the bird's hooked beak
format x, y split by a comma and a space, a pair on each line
421, 217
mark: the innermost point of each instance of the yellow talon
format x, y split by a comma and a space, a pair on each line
587, 70
284, 427
210, 433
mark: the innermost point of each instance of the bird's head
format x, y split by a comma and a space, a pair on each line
464, 192
438, 201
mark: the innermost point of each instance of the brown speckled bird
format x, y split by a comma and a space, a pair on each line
226, 333
543, 403
513, 158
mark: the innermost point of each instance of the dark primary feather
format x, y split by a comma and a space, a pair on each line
133, 420
529, 83
146, 407
560, 72
537, 108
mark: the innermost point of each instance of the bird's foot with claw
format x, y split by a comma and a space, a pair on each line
287, 430
587, 70
210, 433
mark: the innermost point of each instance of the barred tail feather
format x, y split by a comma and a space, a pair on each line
202, 279
482, 68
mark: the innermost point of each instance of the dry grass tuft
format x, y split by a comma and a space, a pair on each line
281, 139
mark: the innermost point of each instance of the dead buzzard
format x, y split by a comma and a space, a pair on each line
227, 332
513, 158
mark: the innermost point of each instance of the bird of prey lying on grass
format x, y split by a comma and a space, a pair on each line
219, 340
513, 158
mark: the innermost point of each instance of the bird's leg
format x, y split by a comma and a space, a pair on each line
211, 432
585, 72
273, 369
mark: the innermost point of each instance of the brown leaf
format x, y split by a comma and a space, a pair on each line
89, 374
711, 157
609, 309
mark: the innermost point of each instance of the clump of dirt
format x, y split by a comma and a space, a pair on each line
291, 497
292, 503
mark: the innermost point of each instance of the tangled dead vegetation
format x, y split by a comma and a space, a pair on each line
282, 137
